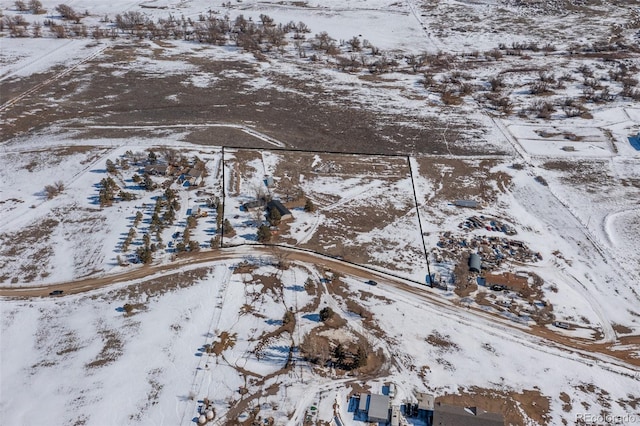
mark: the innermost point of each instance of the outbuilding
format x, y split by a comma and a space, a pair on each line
471, 204
475, 262
379, 408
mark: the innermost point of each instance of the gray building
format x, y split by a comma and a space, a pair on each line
379, 408
466, 203
475, 262
451, 415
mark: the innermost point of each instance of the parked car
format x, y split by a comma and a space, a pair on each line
56, 293
562, 325
371, 282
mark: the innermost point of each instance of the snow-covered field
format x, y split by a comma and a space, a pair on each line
493, 101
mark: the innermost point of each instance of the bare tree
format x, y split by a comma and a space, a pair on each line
53, 190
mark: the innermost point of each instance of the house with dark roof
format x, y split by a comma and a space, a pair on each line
452, 415
284, 212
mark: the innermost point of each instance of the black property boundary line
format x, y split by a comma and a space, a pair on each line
224, 192
415, 198
312, 151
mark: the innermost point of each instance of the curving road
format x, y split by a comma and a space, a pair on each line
536, 337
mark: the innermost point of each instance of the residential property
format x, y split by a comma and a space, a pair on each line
156, 169
194, 176
284, 212
378, 408
452, 415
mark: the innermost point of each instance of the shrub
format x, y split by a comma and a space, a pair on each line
67, 12
288, 317
326, 313
309, 206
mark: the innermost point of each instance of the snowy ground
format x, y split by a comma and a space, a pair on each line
481, 98
87, 360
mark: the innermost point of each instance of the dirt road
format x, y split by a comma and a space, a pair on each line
535, 335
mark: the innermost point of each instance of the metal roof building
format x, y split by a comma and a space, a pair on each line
451, 415
362, 406
475, 262
378, 408
466, 203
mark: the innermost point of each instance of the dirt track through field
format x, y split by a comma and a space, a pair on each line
536, 337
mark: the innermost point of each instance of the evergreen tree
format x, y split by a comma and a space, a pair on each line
361, 357
309, 206
264, 234
111, 168
274, 216
339, 353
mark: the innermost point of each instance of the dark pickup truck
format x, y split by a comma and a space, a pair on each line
56, 293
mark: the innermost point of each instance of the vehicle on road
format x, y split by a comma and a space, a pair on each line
56, 293
371, 282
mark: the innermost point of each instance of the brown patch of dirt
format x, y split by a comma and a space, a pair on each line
19, 248
442, 341
338, 125
455, 179
111, 349
160, 285
566, 399
534, 405
621, 329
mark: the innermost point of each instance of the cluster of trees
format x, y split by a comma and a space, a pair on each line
129, 239
187, 243
33, 6
108, 190
317, 350
145, 251
145, 181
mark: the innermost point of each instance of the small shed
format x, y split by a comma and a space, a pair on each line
378, 408
475, 262
251, 205
268, 181
362, 405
